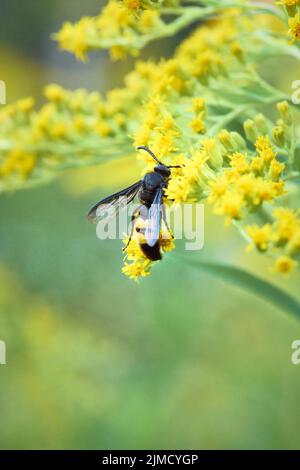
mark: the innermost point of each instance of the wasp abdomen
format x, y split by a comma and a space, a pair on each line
152, 252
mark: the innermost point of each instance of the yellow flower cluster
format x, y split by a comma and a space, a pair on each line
158, 131
248, 182
184, 109
197, 123
18, 162
190, 182
163, 92
292, 8
118, 27
136, 264
294, 27
209, 52
280, 238
69, 130
125, 27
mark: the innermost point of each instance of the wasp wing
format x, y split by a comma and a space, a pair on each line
111, 205
154, 219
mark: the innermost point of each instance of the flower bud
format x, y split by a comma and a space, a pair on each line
261, 123
285, 112
250, 130
279, 135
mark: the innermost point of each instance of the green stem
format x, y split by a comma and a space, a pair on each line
227, 119
241, 231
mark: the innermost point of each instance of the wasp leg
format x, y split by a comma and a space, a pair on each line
164, 217
132, 221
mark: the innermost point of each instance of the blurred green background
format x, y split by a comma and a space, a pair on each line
94, 360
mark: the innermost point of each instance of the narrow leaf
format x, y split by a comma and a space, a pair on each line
251, 283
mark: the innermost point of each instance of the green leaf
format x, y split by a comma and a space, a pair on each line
251, 283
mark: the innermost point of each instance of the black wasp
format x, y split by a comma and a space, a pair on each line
150, 191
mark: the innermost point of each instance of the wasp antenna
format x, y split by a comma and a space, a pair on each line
175, 166
150, 153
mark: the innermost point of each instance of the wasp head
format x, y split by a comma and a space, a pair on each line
162, 170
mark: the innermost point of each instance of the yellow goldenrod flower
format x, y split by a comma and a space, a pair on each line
294, 25
218, 188
260, 235
161, 106
231, 205
198, 125
288, 3
226, 139
257, 165
132, 4
19, 162
246, 184
54, 93
287, 224
148, 20
103, 128
58, 130
240, 162
276, 169
117, 53
25, 105
178, 190
80, 124
142, 137
198, 105
43, 119
285, 264
136, 269
293, 245
75, 37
